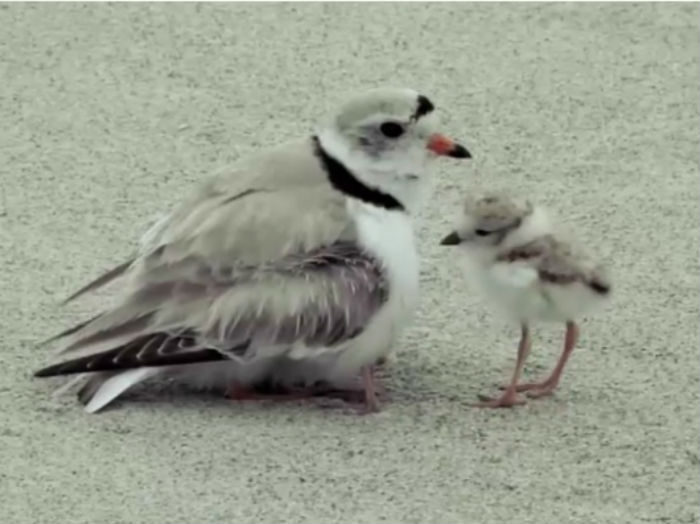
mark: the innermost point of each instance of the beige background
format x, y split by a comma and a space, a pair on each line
109, 113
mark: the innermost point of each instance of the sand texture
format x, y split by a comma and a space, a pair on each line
110, 113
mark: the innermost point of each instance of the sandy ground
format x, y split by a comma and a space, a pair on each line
110, 112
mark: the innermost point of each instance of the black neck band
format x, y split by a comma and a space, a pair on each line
345, 182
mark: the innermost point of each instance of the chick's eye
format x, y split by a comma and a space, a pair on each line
482, 232
391, 129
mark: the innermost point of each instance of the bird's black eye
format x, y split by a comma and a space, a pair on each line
391, 129
482, 232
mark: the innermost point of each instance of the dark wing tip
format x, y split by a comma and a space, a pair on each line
49, 371
126, 357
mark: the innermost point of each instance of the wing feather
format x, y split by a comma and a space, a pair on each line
557, 262
347, 287
253, 263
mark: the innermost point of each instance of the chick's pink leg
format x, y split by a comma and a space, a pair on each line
509, 397
548, 385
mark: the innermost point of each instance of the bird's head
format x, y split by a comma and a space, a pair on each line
385, 137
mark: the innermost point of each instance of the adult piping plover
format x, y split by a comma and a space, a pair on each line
297, 268
530, 271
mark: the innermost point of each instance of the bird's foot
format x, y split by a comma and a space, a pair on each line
354, 389
508, 399
356, 396
364, 392
544, 391
534, 389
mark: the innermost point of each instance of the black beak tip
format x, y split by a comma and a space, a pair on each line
451, 240
459, 151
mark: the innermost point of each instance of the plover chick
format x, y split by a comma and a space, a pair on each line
533, 273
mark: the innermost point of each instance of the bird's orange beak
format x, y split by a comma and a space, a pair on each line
442, 145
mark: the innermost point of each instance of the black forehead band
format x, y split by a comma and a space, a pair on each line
425, 106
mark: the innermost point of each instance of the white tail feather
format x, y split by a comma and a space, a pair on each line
116, 385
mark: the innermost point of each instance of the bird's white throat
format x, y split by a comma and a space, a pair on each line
389, 236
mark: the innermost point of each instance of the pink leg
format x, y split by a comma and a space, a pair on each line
510, 397
371, 403
547, 386
369, 388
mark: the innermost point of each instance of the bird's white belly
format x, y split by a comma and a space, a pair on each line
515, 290
388, 235
518, 290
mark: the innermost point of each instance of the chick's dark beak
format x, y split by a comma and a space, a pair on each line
459, 151
442, 145
451, 240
